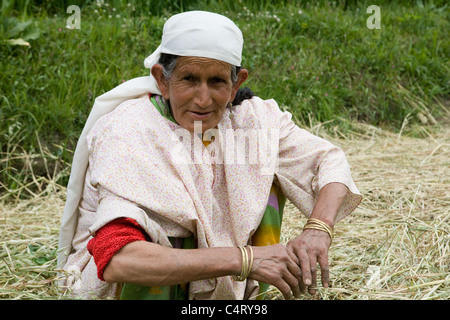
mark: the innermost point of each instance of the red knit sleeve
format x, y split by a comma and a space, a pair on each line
111, 238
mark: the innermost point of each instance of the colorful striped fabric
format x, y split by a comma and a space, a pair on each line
269, 230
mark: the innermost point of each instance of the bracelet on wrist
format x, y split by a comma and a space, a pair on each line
247, 263
319, 225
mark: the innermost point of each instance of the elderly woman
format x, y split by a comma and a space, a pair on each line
164, 202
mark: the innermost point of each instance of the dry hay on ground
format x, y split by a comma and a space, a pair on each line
394, 246
29, 232
396, 243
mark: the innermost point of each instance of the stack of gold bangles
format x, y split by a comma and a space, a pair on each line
247, 263
319, 225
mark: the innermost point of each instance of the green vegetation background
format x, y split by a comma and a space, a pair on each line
317, 59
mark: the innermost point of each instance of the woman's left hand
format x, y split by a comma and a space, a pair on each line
311, 247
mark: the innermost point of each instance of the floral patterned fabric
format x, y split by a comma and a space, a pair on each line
139, 168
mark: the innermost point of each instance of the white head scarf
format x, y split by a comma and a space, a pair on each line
194, 33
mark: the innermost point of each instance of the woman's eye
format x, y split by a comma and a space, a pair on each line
217, 80
211, 80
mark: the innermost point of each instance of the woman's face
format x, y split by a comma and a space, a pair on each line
199, 90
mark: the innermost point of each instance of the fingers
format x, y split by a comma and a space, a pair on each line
309, 257
322, 260
311, 288
324, 269
279, 267
288, 286
294, 274
302, 286
292, 269
308, 265
305, 266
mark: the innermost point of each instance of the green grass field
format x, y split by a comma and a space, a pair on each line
317, 59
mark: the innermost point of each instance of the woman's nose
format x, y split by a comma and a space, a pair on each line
203, 96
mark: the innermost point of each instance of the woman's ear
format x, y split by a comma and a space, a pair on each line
163, 84
242, 76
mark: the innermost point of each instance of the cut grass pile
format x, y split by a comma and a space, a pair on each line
29, 231
394, 246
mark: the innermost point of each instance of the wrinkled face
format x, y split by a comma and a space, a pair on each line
199, 90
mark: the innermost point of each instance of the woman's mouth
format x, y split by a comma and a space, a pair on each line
200, 115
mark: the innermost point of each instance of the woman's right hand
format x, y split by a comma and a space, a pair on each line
277, 266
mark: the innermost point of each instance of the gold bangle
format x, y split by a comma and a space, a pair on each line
247, 264
319, 225
318, 228
250, 264
244, 263
243, 266
320, 222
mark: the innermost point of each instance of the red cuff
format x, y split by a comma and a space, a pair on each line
111, 238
